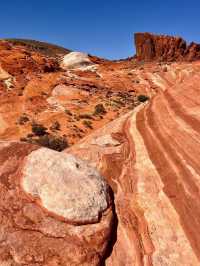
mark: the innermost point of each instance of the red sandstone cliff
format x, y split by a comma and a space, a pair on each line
164, 48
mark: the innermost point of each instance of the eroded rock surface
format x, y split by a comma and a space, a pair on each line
55, 210
65, 185
154, 174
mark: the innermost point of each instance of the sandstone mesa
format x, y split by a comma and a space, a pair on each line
126, 190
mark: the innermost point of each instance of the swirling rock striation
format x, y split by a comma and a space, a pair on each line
152, 165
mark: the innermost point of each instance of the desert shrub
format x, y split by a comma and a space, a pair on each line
142, 98
99, 109
52, 142
87, 123
118, 102
23, 139
38, 129
85, 116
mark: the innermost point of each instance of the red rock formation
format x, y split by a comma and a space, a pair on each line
164, 48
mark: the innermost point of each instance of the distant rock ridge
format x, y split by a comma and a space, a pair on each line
165, 48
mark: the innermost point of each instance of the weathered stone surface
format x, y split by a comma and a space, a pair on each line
154, 174
164, 48
76, 60
105, 140
65, 185
63, 90
44, 197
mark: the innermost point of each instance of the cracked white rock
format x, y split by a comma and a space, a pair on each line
66, 185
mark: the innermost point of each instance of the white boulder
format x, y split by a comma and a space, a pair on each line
75, 60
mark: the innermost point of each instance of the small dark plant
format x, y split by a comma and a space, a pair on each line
23, 139
142, 98
38, 129
99, 109
52, 142
85, 116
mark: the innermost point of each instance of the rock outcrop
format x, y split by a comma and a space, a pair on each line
55, 209
164, 48
18, 61
150, 158
75, 60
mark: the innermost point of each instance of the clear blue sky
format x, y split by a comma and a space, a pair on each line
103, 28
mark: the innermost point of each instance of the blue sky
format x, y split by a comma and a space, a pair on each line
103, 28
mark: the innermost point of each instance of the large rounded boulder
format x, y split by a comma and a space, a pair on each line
75, 60
55, 209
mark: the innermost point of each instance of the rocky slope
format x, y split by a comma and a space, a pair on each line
38, 89
127, 191
150, 158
